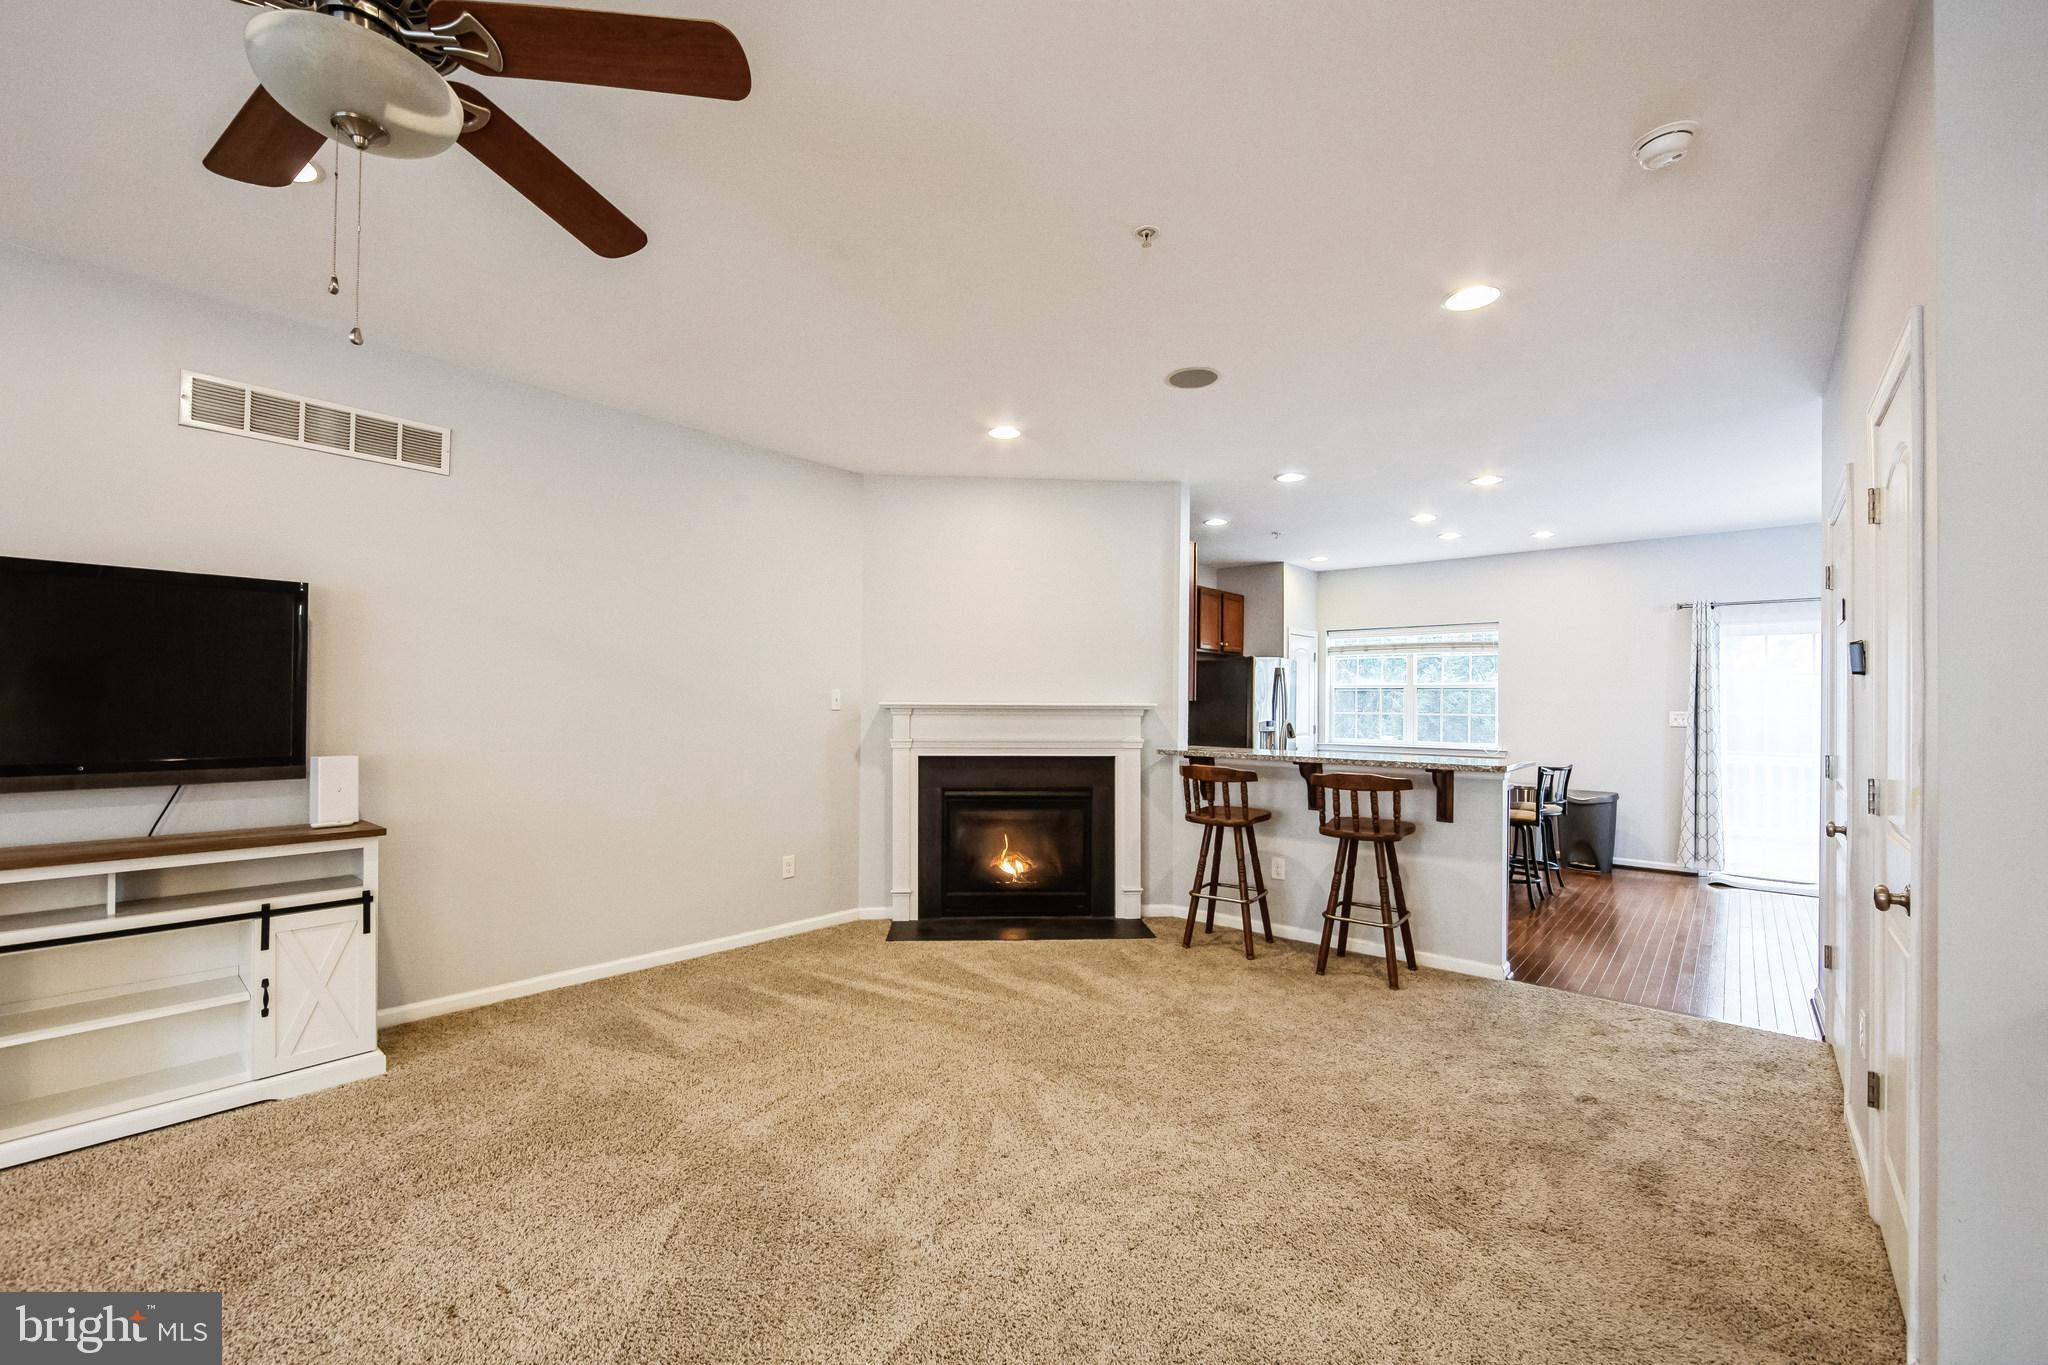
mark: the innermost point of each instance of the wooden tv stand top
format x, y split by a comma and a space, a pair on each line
170, 845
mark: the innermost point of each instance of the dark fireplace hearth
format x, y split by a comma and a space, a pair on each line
1002, 836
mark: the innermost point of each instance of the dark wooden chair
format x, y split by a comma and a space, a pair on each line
1206, 792
1553, 786
1348, 810
1525, 856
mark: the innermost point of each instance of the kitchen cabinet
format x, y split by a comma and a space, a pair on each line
1233, 623
1219, 621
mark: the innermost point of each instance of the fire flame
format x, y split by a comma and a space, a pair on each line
1011, 865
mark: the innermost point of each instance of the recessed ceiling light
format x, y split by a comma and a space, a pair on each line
1291, 476
1318, 559
1423, 518
309, 174
1216, 521
1470, 297
1194, 377
1541, 535
1448, 535
1006, 433
1487, 481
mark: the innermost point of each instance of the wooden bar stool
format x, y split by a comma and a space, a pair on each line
1525, 855
1350, 825
1206, 793
1553, 789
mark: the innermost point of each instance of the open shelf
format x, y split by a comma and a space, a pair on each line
95, 852
82, 1105
119, 1005
159, 911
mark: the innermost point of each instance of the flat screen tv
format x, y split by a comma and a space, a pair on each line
114, 677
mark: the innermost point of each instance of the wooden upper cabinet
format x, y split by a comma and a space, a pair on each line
1209, 620
1219, 621
1233, 623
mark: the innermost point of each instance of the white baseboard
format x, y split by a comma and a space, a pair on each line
574, 976
874, 912
1647, 865
1361, 942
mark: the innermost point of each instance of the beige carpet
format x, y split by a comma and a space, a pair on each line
831, 1148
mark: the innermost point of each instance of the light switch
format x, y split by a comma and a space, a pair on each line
835, 699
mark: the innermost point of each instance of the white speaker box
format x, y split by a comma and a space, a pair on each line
331, 789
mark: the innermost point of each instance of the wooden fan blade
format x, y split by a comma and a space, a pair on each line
264, 145
626, 51
523, 163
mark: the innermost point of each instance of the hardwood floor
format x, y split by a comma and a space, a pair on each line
1654, 938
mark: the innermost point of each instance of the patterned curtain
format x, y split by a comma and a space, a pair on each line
1699, 814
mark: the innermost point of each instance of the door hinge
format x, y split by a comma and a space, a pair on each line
1827, 765
1873, 503
1870, 796
1873, 1089
1827, 956
1827, 577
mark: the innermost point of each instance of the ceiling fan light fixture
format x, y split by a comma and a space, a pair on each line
351, 84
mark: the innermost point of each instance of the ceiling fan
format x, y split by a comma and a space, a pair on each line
373, 75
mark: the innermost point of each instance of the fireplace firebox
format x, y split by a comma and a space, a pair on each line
1002, 836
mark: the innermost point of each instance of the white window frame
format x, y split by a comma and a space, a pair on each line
1477, 638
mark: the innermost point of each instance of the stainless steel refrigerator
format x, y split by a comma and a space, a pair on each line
1242, 702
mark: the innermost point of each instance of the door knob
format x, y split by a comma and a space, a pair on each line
1834, 829
1884, 898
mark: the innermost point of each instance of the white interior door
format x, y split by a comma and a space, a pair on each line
1892, 815
1307, 699
1837, 873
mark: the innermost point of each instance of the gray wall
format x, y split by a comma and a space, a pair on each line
588, 675
1988, 594
1592, 655
1893, 274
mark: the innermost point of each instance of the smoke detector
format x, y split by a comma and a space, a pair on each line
1661, 147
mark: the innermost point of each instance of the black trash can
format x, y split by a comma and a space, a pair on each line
1586, 833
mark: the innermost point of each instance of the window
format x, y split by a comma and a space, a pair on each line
1436, 686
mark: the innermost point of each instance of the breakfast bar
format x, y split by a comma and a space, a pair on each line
1455, 862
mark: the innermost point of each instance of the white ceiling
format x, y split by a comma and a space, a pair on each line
921, 222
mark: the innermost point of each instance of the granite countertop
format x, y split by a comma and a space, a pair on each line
1417, 759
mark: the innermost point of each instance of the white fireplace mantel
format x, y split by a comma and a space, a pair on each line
1082, 730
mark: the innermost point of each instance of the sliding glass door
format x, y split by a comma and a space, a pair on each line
1770, 740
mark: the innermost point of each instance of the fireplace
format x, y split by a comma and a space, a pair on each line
1016, 836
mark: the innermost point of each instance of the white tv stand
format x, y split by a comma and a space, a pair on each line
144, 982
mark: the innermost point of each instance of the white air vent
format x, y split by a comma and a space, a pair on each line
224, 405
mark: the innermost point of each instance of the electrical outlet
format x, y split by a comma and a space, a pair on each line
1679, 720
789, 864
837, 701
1279, 869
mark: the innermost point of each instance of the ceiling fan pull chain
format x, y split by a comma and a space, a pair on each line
334, 237
355, 333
